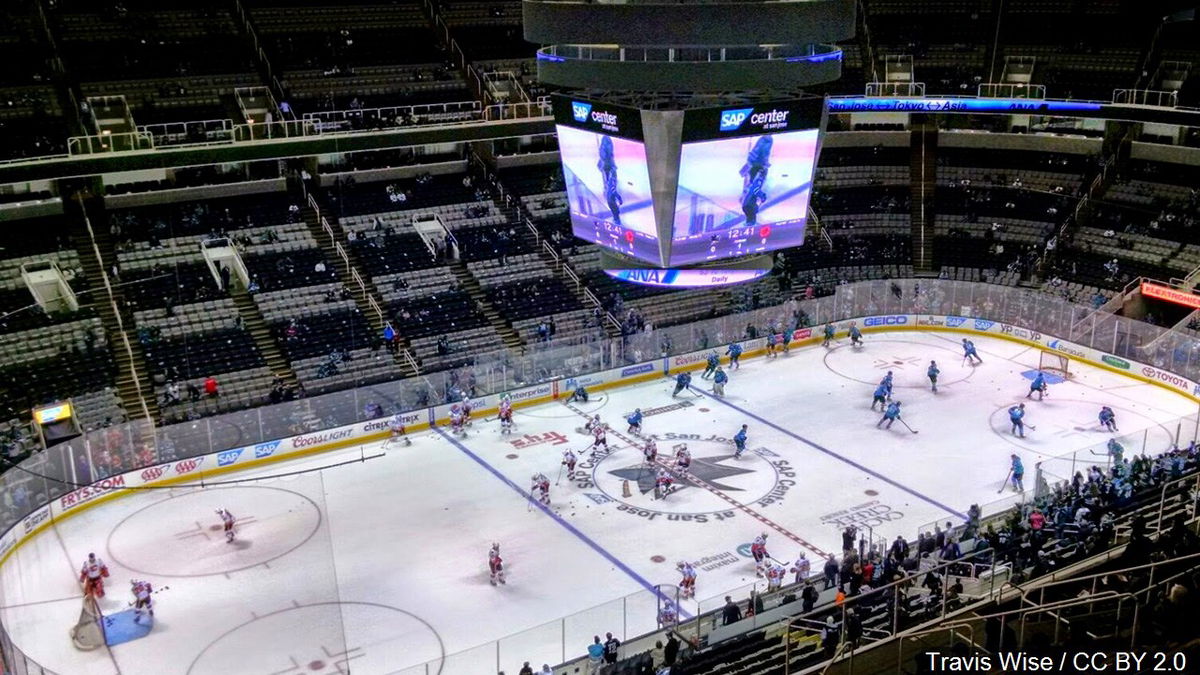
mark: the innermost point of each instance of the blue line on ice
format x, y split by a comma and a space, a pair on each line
831, 453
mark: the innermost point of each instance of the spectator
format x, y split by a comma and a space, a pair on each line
731, 613
831, 572
211, 386
848, 538
808, 597
193, 392
1036, 520
611, 646
172, 394
854, 627
671, 651
595, 655
657, 655
225, 278
545, 670
830, 636
525, 669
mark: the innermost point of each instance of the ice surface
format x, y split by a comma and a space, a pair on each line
381, 565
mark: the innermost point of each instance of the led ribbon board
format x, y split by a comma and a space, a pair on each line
694, 278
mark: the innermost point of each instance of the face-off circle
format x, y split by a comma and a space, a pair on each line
747, 479
908, 361
385, 639
182, 536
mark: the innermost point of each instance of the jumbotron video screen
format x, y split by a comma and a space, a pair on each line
745, 180
607, 179
724, 182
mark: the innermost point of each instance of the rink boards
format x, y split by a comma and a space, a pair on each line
204, 467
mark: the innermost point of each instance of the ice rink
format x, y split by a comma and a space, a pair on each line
380, 566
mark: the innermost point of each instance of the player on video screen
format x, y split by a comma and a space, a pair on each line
608, 169
754, 177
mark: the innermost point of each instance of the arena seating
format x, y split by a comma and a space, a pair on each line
486, 30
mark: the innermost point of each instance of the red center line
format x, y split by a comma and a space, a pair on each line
730, 500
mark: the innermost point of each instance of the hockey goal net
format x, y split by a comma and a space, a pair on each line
88, 632
1053, 362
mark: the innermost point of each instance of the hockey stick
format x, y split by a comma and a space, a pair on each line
1004, 483
560, 470
906, 425
153, 592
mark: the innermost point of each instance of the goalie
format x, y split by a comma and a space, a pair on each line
92, 575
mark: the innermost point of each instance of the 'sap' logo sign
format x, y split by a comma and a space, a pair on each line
731, 120
581, 110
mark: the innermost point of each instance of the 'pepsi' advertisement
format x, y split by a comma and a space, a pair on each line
607, 178
745, 179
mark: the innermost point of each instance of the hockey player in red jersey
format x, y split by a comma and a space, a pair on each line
496, 565
92, 575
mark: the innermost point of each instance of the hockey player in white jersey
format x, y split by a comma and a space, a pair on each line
683, 459
457, 421
775, 573
758, 551
801, 568
506, 414
143, 603
227, 521
466, 410
540, 489
496, 565
92, 575
650, 451
599, 437
687, 582
396, 424
663, 484
568, 461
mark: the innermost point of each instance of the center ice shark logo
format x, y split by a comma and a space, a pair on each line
581, 110
708, 469
760, 478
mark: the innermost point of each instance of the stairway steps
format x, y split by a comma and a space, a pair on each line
343, 269
471, 285
923, 179
131, 372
